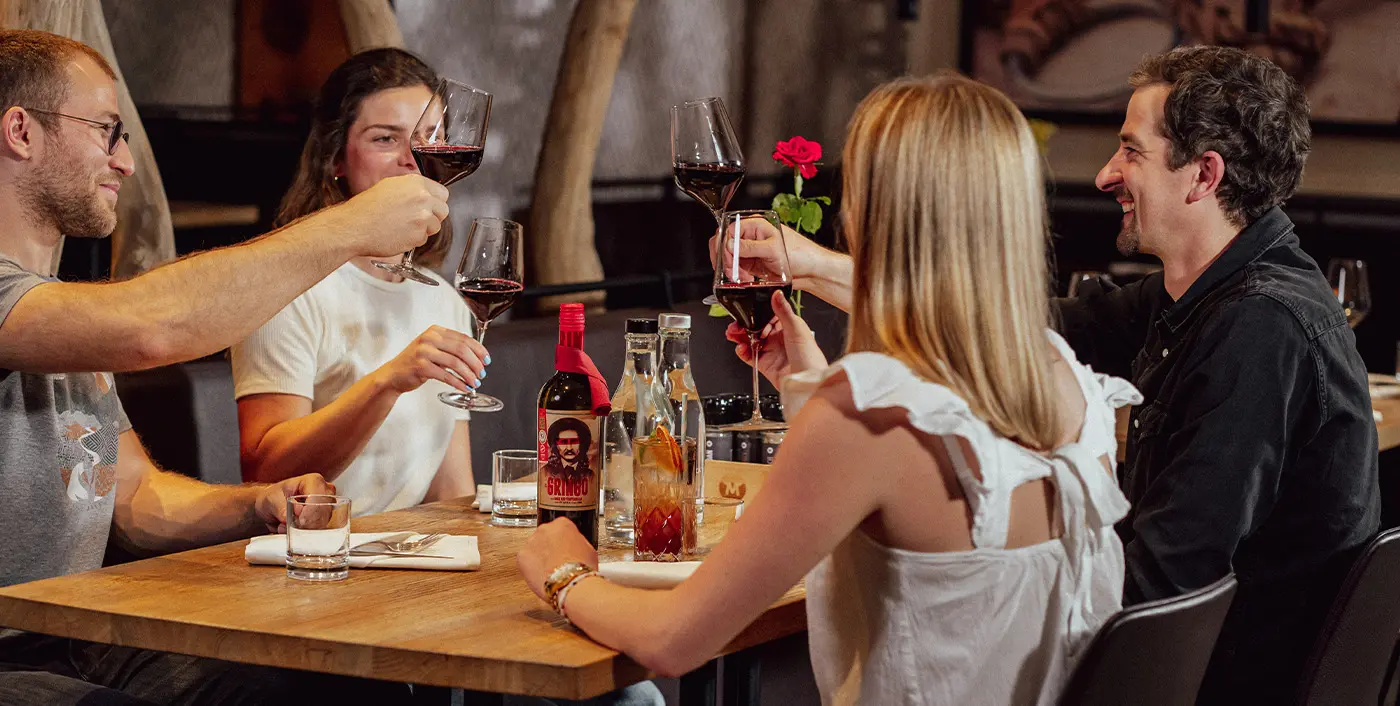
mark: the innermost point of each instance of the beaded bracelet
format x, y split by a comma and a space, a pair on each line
563, 593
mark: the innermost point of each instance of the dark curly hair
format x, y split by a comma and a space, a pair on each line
585, 435
1241, 106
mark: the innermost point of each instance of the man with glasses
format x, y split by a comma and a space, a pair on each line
113, 129
73, 476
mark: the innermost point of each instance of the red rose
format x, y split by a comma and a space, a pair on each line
799, 153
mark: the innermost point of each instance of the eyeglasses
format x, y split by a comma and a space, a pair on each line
116, 128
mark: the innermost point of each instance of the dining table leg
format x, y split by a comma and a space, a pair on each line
700, 687
740, 677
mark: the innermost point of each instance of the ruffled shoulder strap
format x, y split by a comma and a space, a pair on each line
1102, 395
878, 381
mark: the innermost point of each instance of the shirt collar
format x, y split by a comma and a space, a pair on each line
1252, 242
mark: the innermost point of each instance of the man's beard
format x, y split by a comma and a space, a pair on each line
56, 197
1130, 237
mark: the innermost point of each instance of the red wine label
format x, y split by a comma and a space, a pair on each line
568, 453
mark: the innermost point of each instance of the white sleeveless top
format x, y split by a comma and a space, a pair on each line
990, 625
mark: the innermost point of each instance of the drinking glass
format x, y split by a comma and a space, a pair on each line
745, 285
720, 513
489, 279
705, 154
1352, 286
447, 144
318, 537
514, 488
1077, 281
663, 498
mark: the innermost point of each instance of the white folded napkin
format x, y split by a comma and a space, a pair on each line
272, 549
483, 499
648, 574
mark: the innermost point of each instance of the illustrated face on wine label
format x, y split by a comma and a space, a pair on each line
568, 452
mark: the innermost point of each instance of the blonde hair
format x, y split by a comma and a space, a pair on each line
944, 206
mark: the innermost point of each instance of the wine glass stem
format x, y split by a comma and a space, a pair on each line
480, 338
407, 262
756, 346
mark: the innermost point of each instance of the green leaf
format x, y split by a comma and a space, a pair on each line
789, 208
718, 311
824, 199
811, 216
797, 303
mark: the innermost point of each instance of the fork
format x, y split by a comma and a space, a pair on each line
398, 544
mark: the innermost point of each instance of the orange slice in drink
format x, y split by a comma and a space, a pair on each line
668, 458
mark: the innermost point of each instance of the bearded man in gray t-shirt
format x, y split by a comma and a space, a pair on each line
73, 476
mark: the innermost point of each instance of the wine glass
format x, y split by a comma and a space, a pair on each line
1078, 280
745, 286
489, 279
447, 144
705, 154
1352, 286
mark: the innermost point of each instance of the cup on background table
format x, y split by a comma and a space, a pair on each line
513, 488
318, 537
720, 513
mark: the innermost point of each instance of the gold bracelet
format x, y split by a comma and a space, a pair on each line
561, 576
563, 594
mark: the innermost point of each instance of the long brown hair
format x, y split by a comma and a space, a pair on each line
944, 205
337, 107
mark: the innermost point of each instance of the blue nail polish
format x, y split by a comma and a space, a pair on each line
476, 384
488, 359
483, 377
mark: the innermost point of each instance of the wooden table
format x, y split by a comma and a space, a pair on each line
1387, 430
482, 630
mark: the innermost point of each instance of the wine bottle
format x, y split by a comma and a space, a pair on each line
569, 435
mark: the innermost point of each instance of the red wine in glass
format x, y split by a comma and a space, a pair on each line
710, 184
489, 278
446, 164
745, 286
750, 304
705, 152
447, 143
489, 297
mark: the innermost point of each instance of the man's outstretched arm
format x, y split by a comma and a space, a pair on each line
207, 302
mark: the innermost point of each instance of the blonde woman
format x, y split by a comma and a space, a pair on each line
946, 487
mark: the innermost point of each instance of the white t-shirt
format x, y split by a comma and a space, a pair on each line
340, 330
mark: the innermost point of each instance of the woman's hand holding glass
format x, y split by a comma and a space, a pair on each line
789, 345
437, 354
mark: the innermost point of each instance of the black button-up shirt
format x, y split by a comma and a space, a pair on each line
1254, 450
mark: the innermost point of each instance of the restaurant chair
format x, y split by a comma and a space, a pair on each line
1356, 651
186, 417
1152, 654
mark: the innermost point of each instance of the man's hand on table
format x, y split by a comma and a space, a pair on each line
271, 504
553, 544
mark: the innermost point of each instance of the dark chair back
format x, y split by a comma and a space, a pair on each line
186, 417
1355, 654
1152, 654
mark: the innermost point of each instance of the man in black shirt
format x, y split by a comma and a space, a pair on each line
1255, 449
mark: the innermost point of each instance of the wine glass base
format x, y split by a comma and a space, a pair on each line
751, 425
407, 273
474, 403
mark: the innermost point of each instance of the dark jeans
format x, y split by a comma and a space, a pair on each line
38, 669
